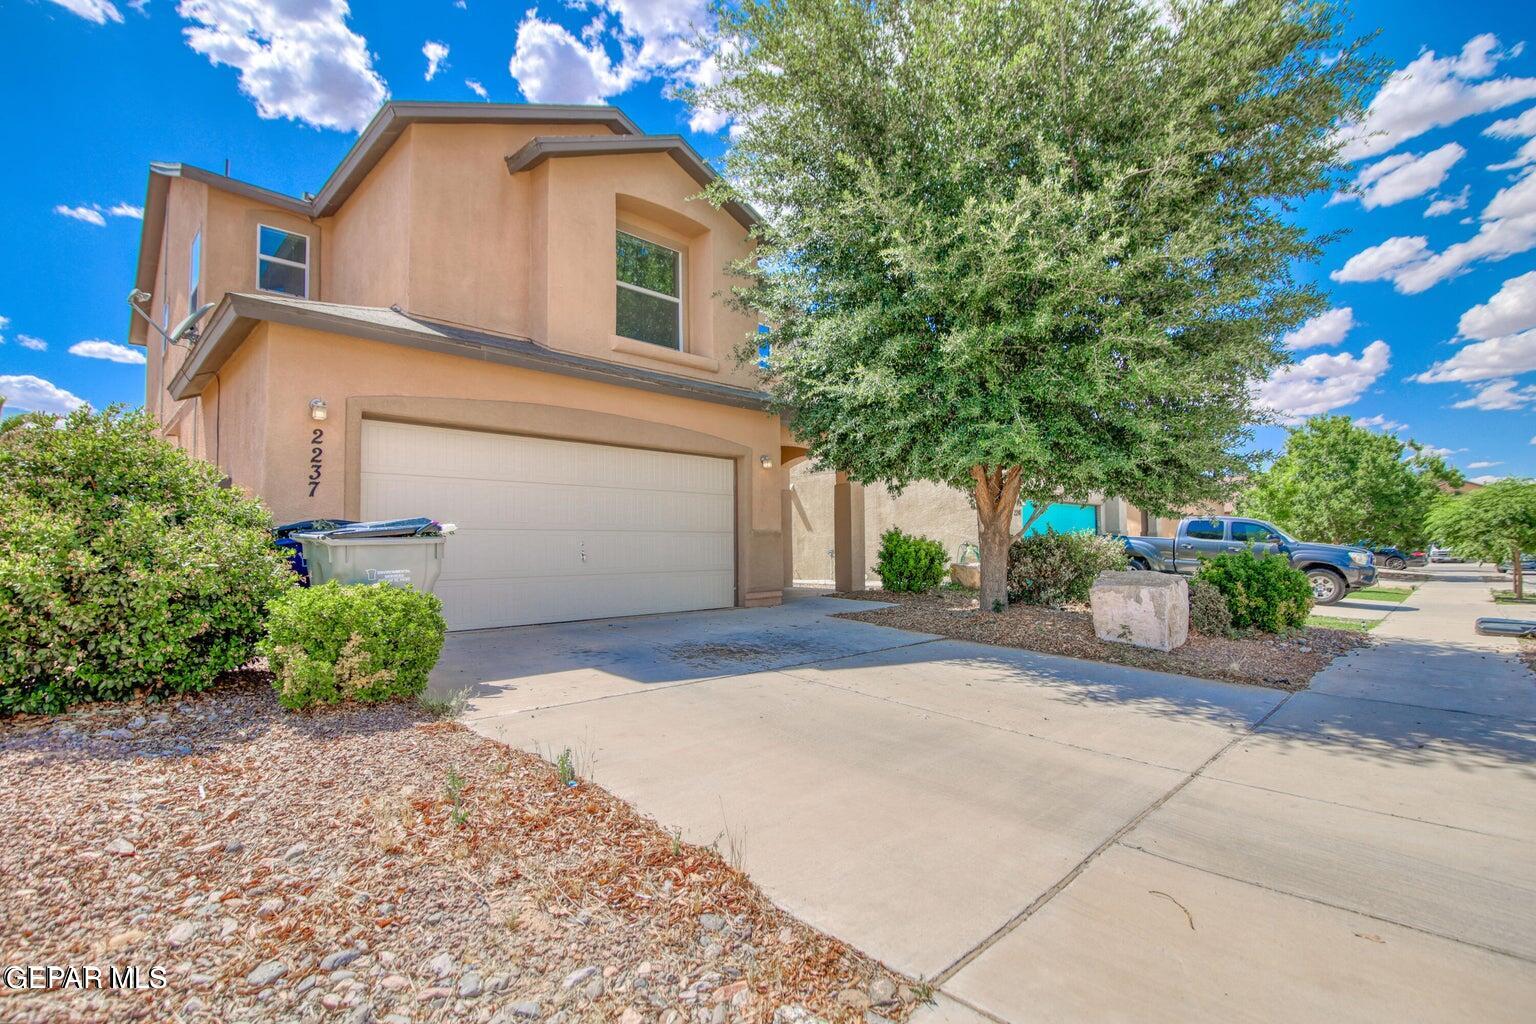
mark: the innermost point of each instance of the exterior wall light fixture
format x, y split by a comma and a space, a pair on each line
766, 461
317, 409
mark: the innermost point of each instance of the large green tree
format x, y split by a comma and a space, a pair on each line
1029, 248
1342, 483
1490, 524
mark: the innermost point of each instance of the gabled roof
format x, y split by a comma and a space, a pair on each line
239, 312
376, 139
544, 147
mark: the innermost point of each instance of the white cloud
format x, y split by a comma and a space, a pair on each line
126, 210
1384, 260
1444, 204
1512, 309
552, 66
476, 88
435, 53
1522, 127
1443, 453
1488, 479
35, 344
1506, 356
1483, 465
1323, 382
1499, 395
655, 39
108, 350
1432, 92
24, 391
5, 322
297, 59
1508, 229
1402, 177
99, 11
88, 214
1324, 329
1380, 423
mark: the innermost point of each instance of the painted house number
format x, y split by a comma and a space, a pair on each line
316, 455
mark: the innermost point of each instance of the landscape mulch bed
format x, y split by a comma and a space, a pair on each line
374, 864
1285, 663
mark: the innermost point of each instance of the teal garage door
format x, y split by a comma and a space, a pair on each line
1063, 518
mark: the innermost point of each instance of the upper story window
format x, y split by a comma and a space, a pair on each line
194, 270
650, 292
282, 263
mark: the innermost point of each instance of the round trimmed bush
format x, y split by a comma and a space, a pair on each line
366, 643
1208, 611
1056, 568
908, 563
1262, 592
125, 568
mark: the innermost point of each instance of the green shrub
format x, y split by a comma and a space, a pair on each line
1208, 611
910, 564
333, 643
1262, 592
124, 567
1055, 568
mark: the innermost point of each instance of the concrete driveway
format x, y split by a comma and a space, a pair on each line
1056, 840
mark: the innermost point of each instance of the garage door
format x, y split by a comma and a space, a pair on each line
551, 531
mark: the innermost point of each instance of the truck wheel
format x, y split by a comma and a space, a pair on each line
1327, 586
1396, 563
1138, 565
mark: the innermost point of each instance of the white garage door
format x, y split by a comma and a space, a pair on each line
551, 531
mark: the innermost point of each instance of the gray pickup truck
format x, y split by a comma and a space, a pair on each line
1332, 569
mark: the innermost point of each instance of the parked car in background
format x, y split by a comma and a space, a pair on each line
1440, 554
1333, 570
1527, 564
1389, 557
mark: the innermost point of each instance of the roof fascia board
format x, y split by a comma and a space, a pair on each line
545, 147
239, 313
393, 118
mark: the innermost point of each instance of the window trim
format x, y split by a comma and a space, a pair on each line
194, 269
682, 286
308, 245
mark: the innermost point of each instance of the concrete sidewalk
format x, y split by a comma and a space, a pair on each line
1051, 839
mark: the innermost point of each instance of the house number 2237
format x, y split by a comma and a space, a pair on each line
316, 455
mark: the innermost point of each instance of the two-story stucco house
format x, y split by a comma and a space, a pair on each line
513, 318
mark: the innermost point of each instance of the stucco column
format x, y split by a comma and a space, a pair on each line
1114, 516
848, 533
787, 532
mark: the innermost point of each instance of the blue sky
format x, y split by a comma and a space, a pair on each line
1438, 341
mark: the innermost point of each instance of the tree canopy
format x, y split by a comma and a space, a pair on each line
1490, 524
1342, 483
1035, 248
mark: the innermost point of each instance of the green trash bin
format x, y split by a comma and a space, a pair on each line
400, 561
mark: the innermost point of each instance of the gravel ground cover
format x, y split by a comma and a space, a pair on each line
1285, 663
375, 864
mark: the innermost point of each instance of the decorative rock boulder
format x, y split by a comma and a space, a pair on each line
965, 574
1144, 609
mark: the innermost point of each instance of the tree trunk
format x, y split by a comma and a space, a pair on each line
1514, 568
997, 491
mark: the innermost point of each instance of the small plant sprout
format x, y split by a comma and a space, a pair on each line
454, 787
565, 768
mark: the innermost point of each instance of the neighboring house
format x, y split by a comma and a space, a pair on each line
509, 317
932, 510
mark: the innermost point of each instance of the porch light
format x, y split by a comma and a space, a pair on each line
765, 461
317, 409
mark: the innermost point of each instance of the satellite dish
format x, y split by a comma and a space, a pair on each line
188, 326
186, 330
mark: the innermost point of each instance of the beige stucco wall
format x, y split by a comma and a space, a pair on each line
268, 431
932, 510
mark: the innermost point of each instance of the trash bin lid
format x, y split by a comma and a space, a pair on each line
417, 527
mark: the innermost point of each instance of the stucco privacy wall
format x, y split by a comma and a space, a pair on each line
933, 510
359, 378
